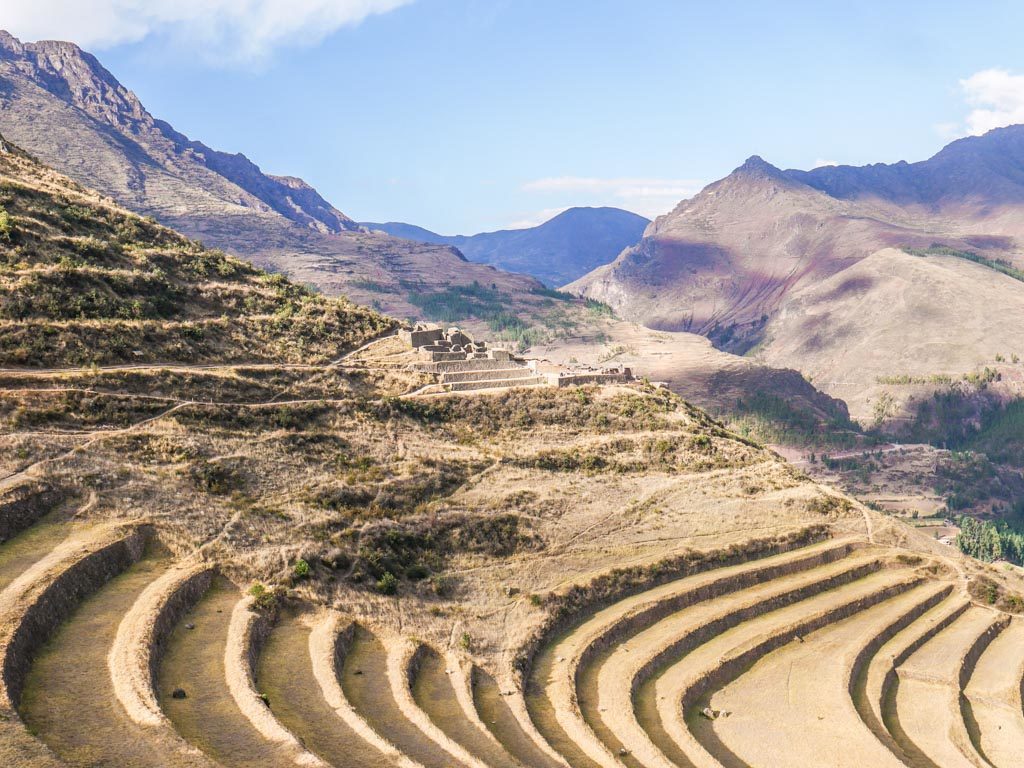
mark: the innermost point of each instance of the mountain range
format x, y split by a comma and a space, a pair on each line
855, 277
811, 269
60, 104
558, 251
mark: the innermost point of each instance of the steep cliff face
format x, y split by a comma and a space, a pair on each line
53, 80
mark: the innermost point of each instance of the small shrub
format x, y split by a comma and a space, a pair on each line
991, 593
387, 584
301, 569
465, 642
265, 599
442, 585
213, 478
417, 572
6, 226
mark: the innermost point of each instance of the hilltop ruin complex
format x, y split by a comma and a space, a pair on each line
462, 364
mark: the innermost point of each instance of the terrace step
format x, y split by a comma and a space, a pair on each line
138, 647
34, 605
683, 688
793, 707
874, 690
456, 366
434, 691
209, 717
994, 693
931, 682
506, 726
403, 663
247, 633
286, 675
491, 374
34, 543
628, 674
470, 386
364, 681
72, 669
568, 671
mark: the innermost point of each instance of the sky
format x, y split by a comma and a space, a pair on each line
472, 115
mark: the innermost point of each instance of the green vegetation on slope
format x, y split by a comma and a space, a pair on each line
937, 249
492, 306
770, 418
990, 541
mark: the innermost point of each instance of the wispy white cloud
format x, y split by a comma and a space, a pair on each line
536, 219
819, 163
996, 98
225, 30
647, 196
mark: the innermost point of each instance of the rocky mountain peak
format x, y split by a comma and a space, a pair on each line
61, 75
757, 166
9, 43
77, 77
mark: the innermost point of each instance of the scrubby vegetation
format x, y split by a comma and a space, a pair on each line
461, 301
774, 419
986, 438
991, 592
1000, 265
83, 282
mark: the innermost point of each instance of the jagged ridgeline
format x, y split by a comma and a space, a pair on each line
84, 281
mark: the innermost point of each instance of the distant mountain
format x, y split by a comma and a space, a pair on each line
769, 258
410, 232
61, 105
975, 171
103, 128
558, 251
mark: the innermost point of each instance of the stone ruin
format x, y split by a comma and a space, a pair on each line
579, 376
462, 363
434, 344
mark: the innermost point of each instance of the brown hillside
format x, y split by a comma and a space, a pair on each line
60, 104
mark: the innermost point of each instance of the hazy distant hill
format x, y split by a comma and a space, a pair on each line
60, 104
770, 258
558, 251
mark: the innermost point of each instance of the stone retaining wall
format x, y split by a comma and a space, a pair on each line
23, 505
53, 604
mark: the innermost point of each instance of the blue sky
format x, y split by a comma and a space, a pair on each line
469, 115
